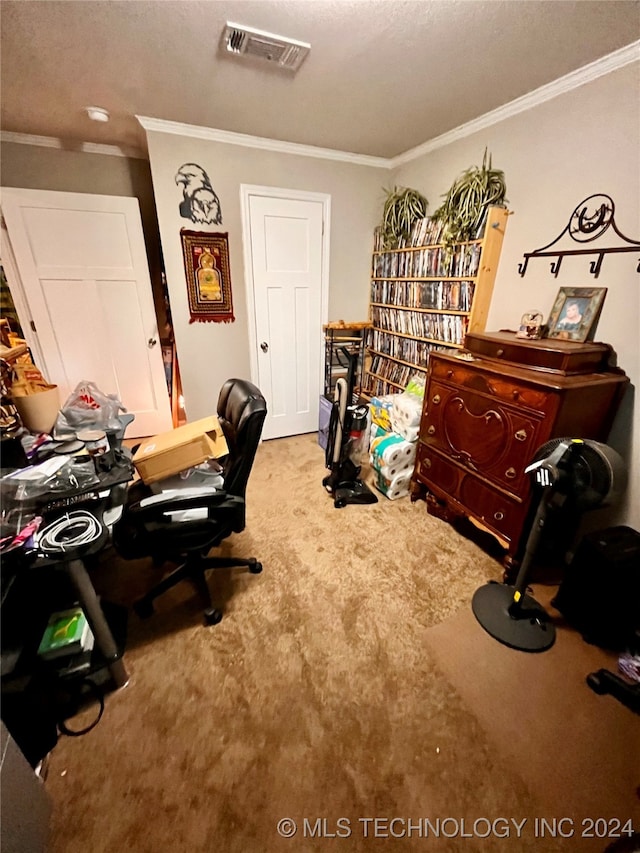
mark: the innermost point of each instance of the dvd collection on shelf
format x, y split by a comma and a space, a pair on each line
425, 232
444, 328
426, 295
391, 372
403, 349
431, 262
438, 295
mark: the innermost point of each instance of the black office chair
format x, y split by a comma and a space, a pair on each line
147, 529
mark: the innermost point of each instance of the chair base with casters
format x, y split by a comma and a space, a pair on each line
183, 525
193, 569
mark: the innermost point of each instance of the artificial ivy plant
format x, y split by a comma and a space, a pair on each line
402, 207
463, 210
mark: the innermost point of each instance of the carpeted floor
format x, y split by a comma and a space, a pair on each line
346, 682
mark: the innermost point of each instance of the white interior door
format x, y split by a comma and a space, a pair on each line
82, 264
287, 282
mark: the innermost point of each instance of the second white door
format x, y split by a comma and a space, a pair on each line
287, 277
82, 265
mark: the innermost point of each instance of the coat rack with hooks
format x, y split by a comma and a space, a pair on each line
589, 221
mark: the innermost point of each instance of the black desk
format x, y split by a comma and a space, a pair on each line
98, 500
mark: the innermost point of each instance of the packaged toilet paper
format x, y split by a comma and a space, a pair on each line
398, 487
376, 431
380, 408
391, 471
406, 411
391, 449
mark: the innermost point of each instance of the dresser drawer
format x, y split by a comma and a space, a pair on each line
502, 514
505, 516
432, 469
484, 381
482, 433
567, 357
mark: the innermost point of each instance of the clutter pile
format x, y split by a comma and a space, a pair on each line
395, 423
24, 387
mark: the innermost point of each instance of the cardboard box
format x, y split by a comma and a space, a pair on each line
171, 452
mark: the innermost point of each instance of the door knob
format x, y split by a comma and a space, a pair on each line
152, 342
264, 346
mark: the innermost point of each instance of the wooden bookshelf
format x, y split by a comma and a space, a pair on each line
426, 296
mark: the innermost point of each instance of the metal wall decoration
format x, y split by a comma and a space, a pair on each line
199, 202
589, 221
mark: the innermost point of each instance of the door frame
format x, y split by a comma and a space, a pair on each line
16, 288
246, 191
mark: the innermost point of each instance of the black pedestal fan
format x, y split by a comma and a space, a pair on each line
572, 475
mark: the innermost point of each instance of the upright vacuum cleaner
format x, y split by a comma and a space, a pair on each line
347, 432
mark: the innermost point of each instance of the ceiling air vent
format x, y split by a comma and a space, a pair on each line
267, 47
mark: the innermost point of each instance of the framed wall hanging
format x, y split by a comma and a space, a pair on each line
206, 267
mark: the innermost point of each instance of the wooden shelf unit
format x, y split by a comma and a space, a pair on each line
339, 335
425, 298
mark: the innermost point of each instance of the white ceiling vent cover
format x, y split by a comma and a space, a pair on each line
278, 50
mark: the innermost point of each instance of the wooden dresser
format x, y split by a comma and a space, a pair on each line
485, 415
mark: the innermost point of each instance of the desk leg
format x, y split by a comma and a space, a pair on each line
101, 631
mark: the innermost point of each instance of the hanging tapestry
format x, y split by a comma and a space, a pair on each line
206, 266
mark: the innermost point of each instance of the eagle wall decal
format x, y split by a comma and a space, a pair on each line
199, 200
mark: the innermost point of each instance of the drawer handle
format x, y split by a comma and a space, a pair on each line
500, 353
426, 463
498, 515
431, 430
449, 374
515, 395
510, 473
521, 435
435, 399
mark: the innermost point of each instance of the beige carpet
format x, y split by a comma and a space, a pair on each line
540, 714
331, 689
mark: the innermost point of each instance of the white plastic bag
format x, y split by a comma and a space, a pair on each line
87, 407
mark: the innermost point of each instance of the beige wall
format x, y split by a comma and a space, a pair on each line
209, 353
554, 156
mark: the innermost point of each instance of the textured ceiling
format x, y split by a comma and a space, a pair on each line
382, 77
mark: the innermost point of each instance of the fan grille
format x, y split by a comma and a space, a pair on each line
590, 467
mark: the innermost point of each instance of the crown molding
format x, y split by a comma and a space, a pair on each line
245, 140
573, 80
64, 145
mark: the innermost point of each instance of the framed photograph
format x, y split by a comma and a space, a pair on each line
575, 313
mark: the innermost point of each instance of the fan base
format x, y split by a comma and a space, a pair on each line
529, 631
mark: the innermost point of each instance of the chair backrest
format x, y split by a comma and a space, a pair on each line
241, 412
